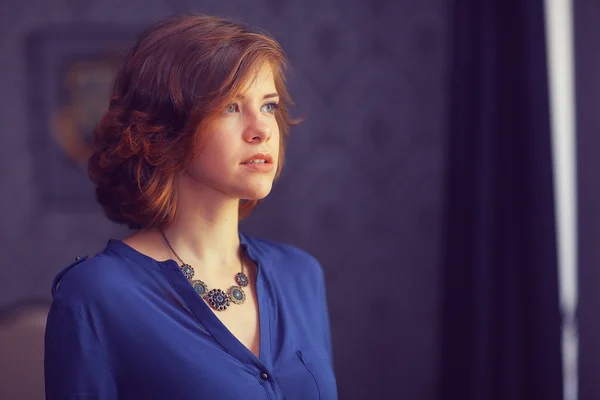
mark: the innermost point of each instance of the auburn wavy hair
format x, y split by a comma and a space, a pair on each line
178, 77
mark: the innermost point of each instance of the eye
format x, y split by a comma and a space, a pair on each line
232, 108
270, 107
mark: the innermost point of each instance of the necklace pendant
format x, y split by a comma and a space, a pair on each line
200, 288
218, 299
241, 279
188, 271
237, 295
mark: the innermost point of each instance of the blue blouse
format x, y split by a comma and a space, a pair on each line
125, 326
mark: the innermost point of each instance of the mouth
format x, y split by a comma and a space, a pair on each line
259, 158
261, 162
256, 162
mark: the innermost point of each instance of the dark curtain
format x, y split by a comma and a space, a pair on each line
587, 89
501, 319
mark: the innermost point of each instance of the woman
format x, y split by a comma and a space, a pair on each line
187, 307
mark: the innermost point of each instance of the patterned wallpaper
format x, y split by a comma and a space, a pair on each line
362, 188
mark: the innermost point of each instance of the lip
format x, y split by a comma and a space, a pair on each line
260, 156
268, 165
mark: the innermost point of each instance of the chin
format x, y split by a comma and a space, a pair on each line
258, 192
256, 195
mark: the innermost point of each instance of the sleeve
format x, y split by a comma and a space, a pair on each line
75, 364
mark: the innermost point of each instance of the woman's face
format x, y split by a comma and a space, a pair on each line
240, 157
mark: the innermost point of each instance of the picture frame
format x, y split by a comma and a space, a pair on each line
69, 73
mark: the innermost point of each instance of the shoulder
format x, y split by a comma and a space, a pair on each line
89, 278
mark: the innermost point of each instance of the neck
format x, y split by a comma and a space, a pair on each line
204, 233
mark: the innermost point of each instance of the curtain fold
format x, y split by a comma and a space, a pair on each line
501, 333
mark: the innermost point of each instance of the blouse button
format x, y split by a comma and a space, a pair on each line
264, 376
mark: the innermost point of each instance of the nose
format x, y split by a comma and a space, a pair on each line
257, 130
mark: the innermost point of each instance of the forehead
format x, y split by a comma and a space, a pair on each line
262, 80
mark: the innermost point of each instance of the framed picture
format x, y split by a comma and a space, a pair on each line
70, 72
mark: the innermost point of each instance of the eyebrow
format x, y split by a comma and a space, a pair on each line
266, 96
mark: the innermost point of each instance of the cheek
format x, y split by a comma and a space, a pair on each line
218, 148
210, 161
279, 144
276, 138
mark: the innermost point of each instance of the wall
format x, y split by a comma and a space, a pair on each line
361, 189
